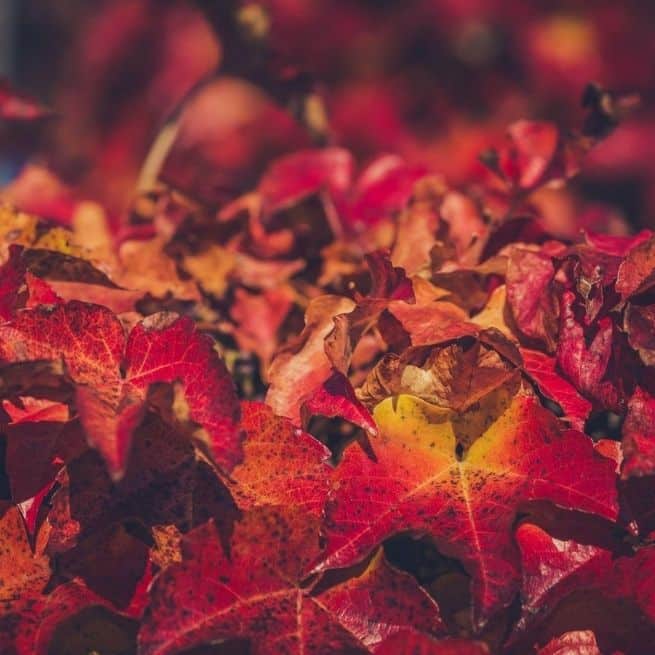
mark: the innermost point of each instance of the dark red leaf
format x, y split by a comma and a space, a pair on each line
409, 642
639, 435
637, 272
164, 348
266, 604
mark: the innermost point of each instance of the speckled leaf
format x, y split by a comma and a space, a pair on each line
23, 576
168, 348
211, 597
163, 348
282, 465
415, 481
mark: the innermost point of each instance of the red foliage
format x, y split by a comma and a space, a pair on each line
303, 396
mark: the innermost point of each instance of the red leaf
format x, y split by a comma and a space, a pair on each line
616, 245
465, 224
529, 277
639, 435
40, 439
553, 568
578, 642
534, 145
258, 319
632, 578
239, 598
541, 369
41, 292
168, 348
301, 367
163, 348
407, 642
556, 568
388, 281
639, 323
637, 272
384, 186
336, 398
586, 365
416, 482
306, 172
282, 466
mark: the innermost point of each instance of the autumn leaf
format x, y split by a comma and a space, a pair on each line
302, 377
529, 278
639, 323
164, 348
542, 370
268, 605
553, 568
639, 435
24, 575
415, 480
578, 642
406, 642
40, 439
584, 364
282, 465
636, 271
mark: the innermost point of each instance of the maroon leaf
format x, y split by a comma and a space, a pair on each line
409, 642
266, 604
637, 272
639, 435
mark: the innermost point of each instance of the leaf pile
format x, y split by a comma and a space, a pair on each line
352, 410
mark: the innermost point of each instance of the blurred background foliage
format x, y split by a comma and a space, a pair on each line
436, 81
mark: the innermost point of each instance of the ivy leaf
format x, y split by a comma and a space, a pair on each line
414, 480
163, 348
639, 435
409, 641
282, 465
216, 594
529, 278
637, 271
542, 370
